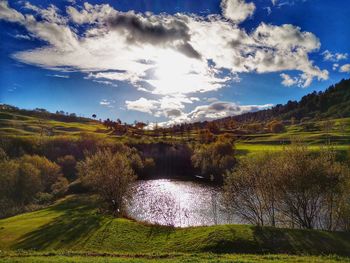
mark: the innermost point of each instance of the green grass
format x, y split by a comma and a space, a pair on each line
12, 124
74, 224
170, 258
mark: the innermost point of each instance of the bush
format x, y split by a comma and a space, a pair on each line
43, 198
214, 159
109, 175
276, 126
295, 188
68, 168
60, 187
49, 171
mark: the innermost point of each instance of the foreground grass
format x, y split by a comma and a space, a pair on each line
170, 258
73, 224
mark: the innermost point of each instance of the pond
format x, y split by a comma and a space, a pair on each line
178, 203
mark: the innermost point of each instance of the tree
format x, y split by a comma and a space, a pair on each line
205, 136
294, 188
214, 159
68, 166
276, 126
250, 190
3, 155
27, 183
310, 186
110, 176
49, 171
60, 187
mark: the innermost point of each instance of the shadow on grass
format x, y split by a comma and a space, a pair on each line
269, 240
77, 222
296, 241
158, 230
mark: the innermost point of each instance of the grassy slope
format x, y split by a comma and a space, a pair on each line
12, 124
242, 258
315, 138
15, 124
74, 225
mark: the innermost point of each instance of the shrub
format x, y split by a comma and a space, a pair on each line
294, 187
43, 198
60, 187
49, 171
109, 175
214, 159
68, 168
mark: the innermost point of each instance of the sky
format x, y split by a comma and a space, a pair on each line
169, 62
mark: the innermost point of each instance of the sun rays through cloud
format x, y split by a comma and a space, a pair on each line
167, 57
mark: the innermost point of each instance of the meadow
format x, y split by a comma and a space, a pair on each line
73, 231
19, 125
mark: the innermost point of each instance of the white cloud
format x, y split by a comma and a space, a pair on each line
345, 68
302, 80
237, 10
334, 57
170, 56
104, 102
10, 14
168, 106
287, 80
175, 59
58, 76
216, 110
107, 103
142, 105
21, 36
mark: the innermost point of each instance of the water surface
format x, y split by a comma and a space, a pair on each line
178, 203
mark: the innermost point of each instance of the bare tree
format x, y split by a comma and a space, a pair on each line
110, 175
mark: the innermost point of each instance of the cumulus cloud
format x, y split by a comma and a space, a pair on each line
222, 109
9, 14
345, 68
219, 109
334, 57
237, 10
169, 56
175, 48
168, 106
142, 105
288, 80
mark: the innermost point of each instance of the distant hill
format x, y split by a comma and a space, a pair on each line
44, 114
334, 102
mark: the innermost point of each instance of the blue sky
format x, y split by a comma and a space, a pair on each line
169, 61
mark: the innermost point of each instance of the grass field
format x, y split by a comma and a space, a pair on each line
170, 258
72, 230
12, 124
73, 224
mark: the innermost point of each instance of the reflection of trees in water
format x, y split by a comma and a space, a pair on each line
166, 209
180, 204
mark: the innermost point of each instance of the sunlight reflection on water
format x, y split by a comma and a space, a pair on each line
178, 203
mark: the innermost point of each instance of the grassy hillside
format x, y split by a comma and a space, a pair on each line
332, 103
73, 230
74, 224
21, 125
